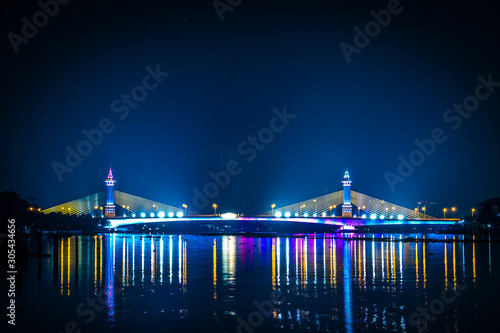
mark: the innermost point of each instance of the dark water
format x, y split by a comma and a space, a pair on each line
242, 284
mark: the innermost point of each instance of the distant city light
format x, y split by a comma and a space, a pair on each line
363, 216
373, 216
391, 217
152, 215
170, 214
296, 214
400, 217
143, 215
133, 215
306, 215
324, 214
287, 214
277, 214
179, 214
161, 214
228, 215
382, 217
314, 215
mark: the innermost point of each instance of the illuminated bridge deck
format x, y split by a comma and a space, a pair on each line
354, 222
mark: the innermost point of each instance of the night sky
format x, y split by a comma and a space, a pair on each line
224, 80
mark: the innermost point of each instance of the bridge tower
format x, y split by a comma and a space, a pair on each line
346, 206
110, 197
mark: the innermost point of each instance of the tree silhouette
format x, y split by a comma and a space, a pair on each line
486, 215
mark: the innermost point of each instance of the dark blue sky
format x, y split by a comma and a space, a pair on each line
225, 78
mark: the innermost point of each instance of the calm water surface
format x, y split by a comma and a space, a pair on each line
124, 282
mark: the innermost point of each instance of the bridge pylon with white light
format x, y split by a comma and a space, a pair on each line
113, 204
346, 205
110, 197
367, 208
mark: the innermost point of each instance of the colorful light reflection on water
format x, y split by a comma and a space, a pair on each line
224, 283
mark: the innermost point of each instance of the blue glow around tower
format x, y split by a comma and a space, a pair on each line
346, 206
110, 197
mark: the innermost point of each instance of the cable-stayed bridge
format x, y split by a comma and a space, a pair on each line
366, 206
357, 209
127, 205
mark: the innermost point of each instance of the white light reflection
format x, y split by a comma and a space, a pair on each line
232, 258
229, 259
393, 278
142, 260
401, 263
170, 274
161, 259
287, 261
382, 265
133, 260
278, 261
297, 264
324, 261
123, 261
153, 257
373, 264
114, 257
180, 259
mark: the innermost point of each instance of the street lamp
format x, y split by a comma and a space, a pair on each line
330, 210
444, 213
272, 209
215, 208
453, 210
473, 210
416, 209
185, 209
316, 206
